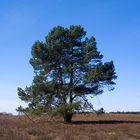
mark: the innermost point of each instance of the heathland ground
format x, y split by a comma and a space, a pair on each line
83, 127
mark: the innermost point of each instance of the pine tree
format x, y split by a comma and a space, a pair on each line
68, 67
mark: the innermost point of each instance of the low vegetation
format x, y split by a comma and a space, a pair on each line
86, 126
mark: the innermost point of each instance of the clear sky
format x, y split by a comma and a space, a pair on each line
114, 23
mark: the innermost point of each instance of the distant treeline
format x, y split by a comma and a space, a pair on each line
127, 112
117, 112
6, 114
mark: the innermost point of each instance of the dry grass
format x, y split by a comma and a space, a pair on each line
84, 127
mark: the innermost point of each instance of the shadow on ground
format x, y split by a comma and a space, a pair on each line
105, 122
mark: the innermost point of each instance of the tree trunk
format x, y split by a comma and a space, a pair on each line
67, 117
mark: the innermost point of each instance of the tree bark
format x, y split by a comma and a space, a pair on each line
67, 117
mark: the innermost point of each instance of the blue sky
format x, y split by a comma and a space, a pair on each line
114, 23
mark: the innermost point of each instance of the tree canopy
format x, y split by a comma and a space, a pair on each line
68, 67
